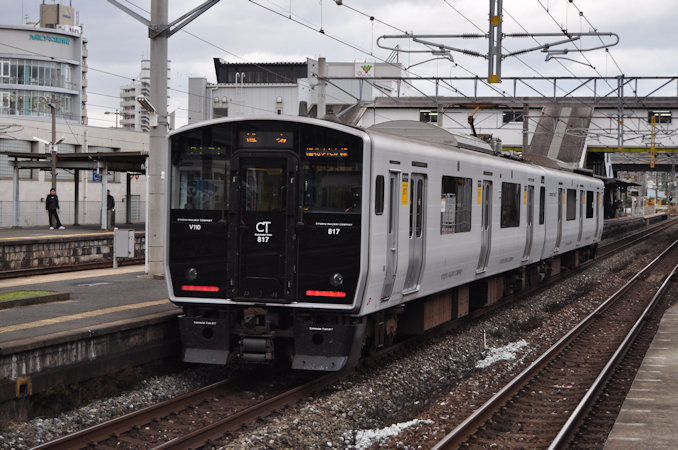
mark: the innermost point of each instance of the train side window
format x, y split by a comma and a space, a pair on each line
571, 213
455, 205
379, 195
589, 204
510, 205
542, 203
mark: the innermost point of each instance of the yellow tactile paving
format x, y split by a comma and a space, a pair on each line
39, 279
98, 312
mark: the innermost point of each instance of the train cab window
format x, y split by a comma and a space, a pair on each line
589, 204
510, 205
379, 195
455, 205
571, 213
199, 179
263, 190
332, 187
542, 204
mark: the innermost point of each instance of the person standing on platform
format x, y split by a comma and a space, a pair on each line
110, 206
52, 209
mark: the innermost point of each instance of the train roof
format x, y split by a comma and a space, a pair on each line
427, 132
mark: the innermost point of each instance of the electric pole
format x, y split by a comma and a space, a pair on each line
53, 145
159, 31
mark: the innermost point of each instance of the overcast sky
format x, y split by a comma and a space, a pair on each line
288, 30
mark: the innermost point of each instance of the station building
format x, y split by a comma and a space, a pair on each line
291, 88
42, 64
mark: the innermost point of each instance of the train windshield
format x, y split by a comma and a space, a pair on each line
200, 180
332, 187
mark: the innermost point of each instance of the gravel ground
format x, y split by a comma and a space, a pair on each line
410, 402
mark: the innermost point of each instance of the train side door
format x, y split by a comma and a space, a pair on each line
485, 226
530, 221
559, 229
262, 222
416, 232
582, 201
596, 214
392, 234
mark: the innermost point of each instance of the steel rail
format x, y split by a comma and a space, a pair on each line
105, 430
200, 437
487, 410
565, 433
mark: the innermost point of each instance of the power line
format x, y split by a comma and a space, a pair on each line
581, 14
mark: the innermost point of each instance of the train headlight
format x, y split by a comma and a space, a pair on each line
191, 274
337, 280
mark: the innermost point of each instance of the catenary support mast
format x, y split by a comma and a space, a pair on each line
159, 31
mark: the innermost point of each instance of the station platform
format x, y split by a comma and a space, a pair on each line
97, 297
29, 249
27, 233
649, 415
619, 225
113, 319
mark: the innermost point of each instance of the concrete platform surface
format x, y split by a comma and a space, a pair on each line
9, 234
649, 416
96, 297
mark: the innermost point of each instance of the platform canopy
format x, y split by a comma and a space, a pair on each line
133, 162
127, 162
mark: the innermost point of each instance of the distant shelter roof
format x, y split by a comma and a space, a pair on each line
134, 162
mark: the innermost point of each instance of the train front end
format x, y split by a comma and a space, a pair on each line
264, 241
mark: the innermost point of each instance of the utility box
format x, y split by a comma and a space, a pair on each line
123, 243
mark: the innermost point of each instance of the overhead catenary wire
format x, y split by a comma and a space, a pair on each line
531, 68
503, 93
518, 58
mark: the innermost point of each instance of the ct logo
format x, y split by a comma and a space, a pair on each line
262, 235
262, 227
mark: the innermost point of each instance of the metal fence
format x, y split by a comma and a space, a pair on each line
32, 213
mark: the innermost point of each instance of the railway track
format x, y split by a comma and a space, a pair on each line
632, 239
543, 405
200, 417
145, 426
193, 419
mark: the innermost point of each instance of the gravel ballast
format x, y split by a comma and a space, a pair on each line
408, 402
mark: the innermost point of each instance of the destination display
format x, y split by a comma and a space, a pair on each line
326, 152
266, 139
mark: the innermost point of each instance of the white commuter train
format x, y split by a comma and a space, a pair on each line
312, 241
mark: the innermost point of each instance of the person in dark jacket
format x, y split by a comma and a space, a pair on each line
110, 200
52, 209
110, 206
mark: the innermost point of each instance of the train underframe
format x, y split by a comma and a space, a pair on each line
330, 341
